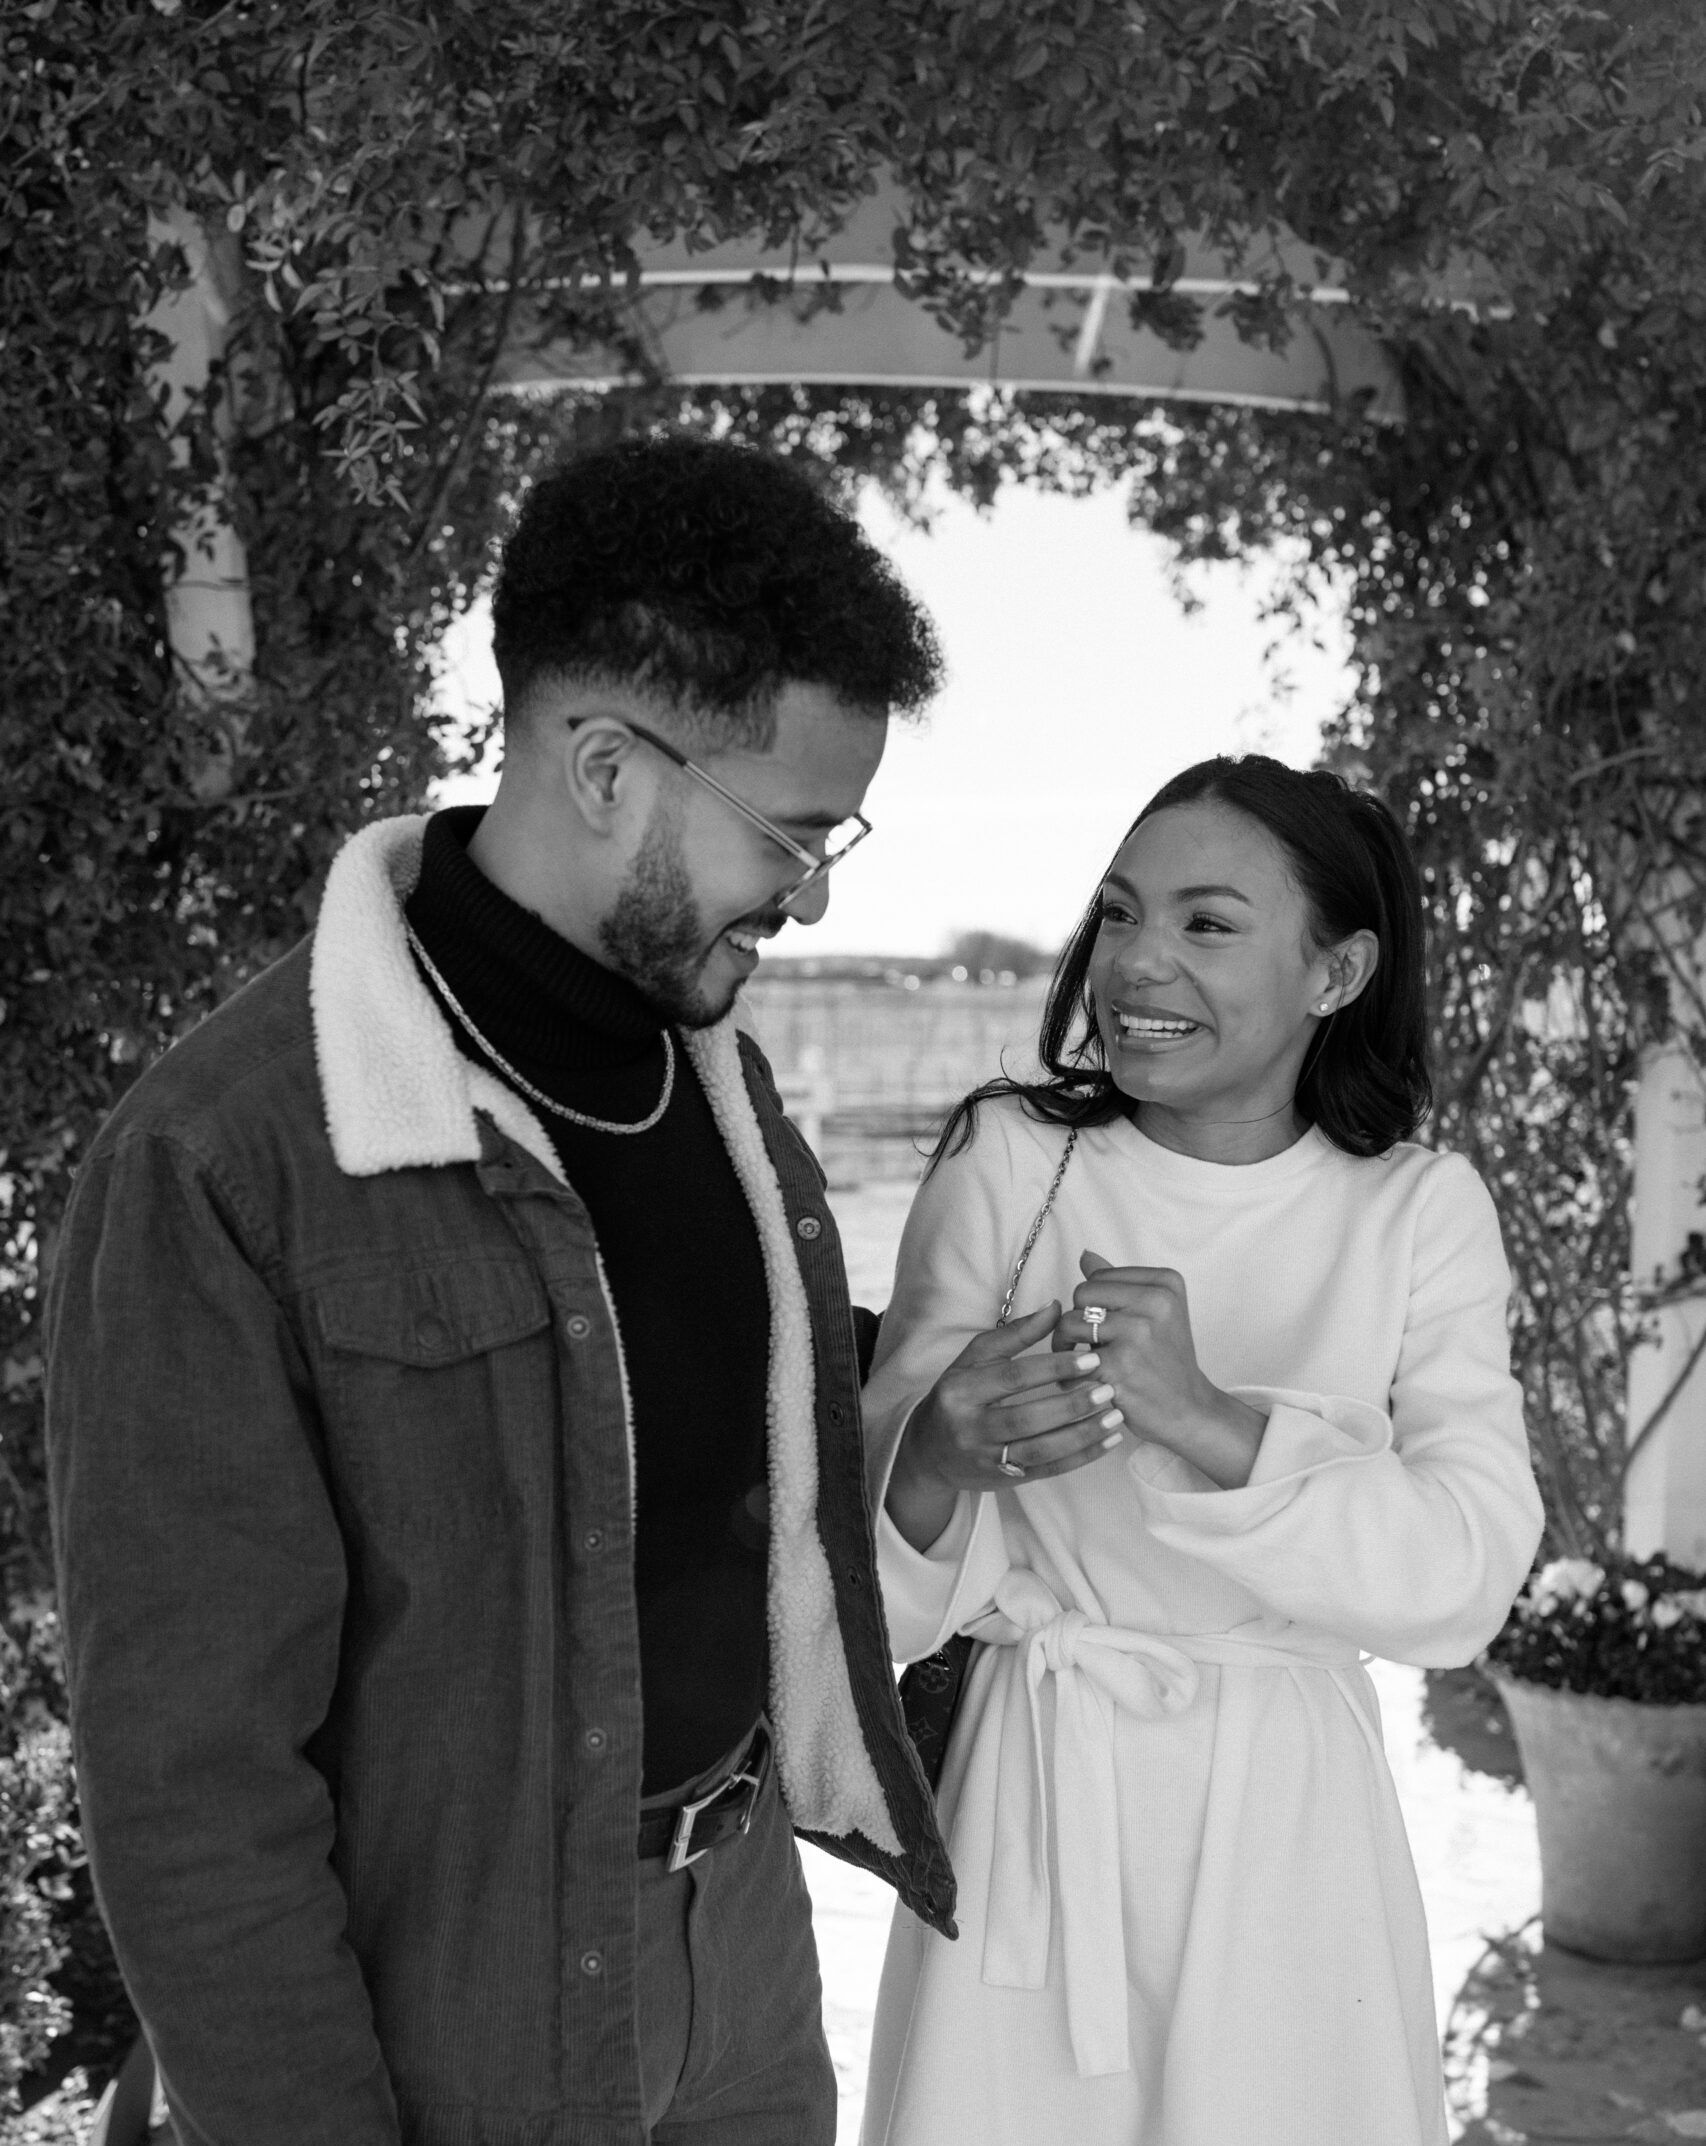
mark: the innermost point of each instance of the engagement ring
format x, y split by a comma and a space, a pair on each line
1007, 1466
1094, 1314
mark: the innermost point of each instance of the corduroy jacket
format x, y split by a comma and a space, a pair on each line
342, 1475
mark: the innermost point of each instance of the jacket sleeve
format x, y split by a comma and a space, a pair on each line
1407, 1529
202, 1582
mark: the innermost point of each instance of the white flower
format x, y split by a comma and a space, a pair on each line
1692, 1603
1665, 1614
1567, 1576
1634, 1595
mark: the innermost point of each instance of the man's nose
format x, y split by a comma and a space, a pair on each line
808, 904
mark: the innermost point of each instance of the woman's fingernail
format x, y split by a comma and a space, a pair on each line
1086, 1363
1108, 1444
1099, 1395
1112, 1420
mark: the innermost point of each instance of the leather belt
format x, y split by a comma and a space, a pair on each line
686, 1831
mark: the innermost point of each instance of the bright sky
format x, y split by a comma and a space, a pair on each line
1076, 687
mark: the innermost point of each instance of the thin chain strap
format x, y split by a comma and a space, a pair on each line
538, 1095
1037, 1225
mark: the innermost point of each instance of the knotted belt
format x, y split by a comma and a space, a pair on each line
1096, 1668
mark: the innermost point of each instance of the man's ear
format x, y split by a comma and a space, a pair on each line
601, 770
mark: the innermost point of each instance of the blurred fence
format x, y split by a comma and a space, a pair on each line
869, 1067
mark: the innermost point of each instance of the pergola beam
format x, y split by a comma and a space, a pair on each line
842, 308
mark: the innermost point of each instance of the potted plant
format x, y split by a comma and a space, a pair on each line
1602, 1667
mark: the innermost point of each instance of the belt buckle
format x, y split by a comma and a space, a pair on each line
681, 1849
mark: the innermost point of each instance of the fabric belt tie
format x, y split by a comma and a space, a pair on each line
1096, 1668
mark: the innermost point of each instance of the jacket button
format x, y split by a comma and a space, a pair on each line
836, 1413
593, 1539
431, 1331
592, 1963
808, 1227
596, 1739
577, 1326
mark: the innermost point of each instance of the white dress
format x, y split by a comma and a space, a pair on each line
1187, 1910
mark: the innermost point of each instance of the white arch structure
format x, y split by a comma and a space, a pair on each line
836, 312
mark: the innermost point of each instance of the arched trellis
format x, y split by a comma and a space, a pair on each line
840, 310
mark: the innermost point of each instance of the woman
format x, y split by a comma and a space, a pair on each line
1275, 1428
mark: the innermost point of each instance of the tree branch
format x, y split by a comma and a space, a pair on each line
446, 473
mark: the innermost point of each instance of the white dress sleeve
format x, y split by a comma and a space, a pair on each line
1408, 1530
956, 1254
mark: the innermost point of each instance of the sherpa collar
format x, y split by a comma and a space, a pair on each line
398, 1092
399, 1095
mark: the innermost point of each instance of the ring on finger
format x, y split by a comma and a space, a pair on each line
1009, 1467
1093, 1315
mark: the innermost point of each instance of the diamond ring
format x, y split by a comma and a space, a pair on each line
1093, 1316
1007, 1466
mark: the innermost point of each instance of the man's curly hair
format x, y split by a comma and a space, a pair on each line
710, 576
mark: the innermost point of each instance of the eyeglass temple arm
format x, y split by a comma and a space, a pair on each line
815, 866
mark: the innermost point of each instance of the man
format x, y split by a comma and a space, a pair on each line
454, 1404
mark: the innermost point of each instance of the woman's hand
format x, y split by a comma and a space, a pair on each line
996, 1417
1148, 1354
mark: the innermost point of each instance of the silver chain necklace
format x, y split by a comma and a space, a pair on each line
537, 1095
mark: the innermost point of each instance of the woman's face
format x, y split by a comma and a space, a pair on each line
1206, 980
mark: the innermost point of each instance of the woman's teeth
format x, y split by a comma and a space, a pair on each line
1143, 1024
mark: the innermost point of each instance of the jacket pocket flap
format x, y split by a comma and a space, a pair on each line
434, 1315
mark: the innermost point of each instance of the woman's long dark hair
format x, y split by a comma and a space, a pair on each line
1365, 1082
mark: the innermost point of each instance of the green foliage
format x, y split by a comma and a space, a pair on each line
400, 193
37, 1845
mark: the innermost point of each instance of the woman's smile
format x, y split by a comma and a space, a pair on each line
1206, 980
1144, 1029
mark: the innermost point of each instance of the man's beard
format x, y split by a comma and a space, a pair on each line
655, 937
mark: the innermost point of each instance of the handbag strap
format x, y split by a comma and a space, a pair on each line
1037, 1226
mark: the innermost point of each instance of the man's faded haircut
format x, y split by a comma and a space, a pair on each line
707, 576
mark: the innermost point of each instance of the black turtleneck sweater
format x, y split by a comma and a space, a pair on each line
681, 1252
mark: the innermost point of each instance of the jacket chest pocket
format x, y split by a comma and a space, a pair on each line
438, 1386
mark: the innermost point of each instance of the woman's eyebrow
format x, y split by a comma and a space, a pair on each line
1180, 894
1192, 894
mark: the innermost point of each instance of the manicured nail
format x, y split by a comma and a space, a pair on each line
1087, 1363
1100, 1396
1112, 1420
1108, 1444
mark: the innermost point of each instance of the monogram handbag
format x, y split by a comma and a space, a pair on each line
931, 1689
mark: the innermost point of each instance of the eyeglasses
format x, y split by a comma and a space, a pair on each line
840, 839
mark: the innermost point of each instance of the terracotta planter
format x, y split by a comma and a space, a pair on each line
1619, 1790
